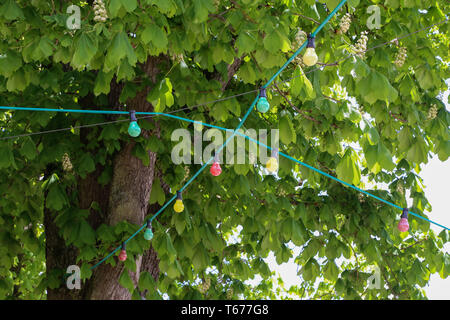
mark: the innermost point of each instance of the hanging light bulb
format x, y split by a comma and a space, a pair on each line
178, 206
215, 168
403, 224
123, 253
133, 129
263, 105
272, 163
148, 234
310, 57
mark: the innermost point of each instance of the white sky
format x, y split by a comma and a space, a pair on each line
435, 176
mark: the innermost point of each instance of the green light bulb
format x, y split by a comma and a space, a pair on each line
263, 105
148, 234
134, 130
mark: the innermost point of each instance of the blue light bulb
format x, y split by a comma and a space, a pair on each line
134, 130
148, 234
263, 105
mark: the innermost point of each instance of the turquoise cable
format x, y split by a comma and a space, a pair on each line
315, 32
338, 180
226, 142
114, 112
184, 187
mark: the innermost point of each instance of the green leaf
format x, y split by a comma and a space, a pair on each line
299, 235
129, 5
245, 43
311, 270
166, 7
202, 9
373, 136
157, 194
85, 271
46, 47
276, 41
378, 157
114, 7
119, 49
125, 280
29, 149
424, 76
200, 260
418, 151
310, 93
156, 35
6, 157
9, 63
172, 253
146, 281
56, 198
86, 233
11, 11
297, 82
287, 132
331, 4
179, 222
331, 271
86, 165
85, 49
348, 169
377, 87
18, 81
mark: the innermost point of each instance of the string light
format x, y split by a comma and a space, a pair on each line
310, 57
123, 253
148, 234
178, 206
272, 163
263, 105
403, 224
215, 168
134, 130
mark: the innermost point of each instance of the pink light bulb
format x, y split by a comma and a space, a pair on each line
215, 169
123, 255
403, 225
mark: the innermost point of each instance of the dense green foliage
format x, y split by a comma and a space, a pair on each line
384, 137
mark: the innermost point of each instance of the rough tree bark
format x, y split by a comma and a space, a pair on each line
125, 198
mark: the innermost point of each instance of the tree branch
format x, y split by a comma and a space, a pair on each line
303, 113
307, 18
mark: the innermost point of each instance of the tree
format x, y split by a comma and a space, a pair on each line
71, 197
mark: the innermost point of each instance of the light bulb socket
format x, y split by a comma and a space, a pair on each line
179, 196
149, 224
124, 246
405, 213
275, 152
133, 115
311, 41
262, 93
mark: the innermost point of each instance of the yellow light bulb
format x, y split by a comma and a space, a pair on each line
272, 164
310, 57
178, 206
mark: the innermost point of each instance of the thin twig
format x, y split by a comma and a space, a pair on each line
303, 113
307, 18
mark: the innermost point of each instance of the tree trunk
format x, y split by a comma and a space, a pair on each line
125, 198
